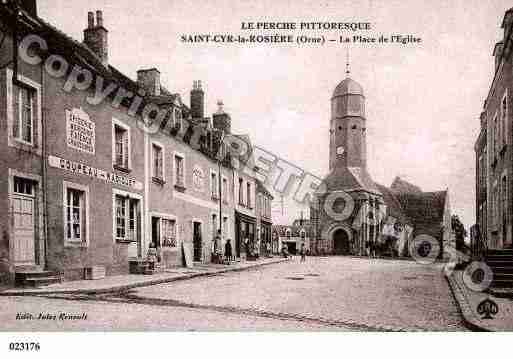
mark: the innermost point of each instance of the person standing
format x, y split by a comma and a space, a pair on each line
228, 250
303, 252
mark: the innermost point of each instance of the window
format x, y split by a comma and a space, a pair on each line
126, 218
225, 193
504, 198
241, 192
23, 124
249, 195
75, 206
179, 171
121, 150
225, 226
495, 135
177, 118
504, 115
75, 214
213, 185
168, 233
158, 162
23, 186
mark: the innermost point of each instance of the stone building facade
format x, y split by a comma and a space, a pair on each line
92, 175
493, 148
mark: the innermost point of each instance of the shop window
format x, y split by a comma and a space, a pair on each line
76, 213
126, 218
168, 233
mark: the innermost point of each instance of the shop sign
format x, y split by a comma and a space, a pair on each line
78, 168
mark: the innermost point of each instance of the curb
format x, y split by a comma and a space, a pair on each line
469, 318
122, 288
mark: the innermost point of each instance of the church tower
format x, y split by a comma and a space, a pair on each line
347, 126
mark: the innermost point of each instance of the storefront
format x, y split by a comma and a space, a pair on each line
245, 233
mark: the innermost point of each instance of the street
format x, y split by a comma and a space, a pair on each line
324, 293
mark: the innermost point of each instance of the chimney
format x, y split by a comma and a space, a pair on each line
197, 101
30, 6
95, 37
497, 52
149, 80
221, 120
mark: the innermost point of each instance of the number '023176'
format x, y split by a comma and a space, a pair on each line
24, 346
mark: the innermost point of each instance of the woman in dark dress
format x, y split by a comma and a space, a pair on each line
228, 250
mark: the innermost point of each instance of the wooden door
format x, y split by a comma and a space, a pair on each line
24, 229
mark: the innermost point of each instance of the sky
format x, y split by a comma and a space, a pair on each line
422, 100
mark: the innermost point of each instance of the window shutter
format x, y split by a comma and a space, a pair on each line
35, 119
16, 112
125, 150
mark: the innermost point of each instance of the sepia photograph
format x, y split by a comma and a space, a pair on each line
255, 166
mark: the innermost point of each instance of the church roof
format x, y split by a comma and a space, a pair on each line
400, 185
425, 209
394, 207
348, 86
349, 178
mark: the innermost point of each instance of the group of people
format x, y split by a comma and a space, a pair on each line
302, 252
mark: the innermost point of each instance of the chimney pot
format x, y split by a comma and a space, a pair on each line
99, 18
90, 20
149, 80
96, 37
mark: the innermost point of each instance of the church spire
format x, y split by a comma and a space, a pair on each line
347, 62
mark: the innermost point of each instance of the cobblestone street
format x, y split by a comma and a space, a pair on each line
330, 293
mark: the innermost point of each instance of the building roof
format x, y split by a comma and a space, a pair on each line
348, 86
260, 187
393, 206
349, 179
425, 210
402, 186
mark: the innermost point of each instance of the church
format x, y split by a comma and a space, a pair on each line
350, 212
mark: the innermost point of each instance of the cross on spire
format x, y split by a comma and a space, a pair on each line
347, 62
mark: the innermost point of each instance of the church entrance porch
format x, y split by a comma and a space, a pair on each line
340, 242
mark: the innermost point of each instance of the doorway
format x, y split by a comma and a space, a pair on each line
340, 242
197, 242
23, 207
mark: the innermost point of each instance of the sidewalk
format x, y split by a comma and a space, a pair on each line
468, 301
124, 282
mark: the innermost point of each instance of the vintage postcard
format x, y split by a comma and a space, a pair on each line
306, 166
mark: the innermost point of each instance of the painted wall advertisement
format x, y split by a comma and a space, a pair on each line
80, 131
